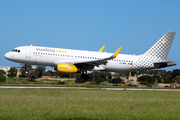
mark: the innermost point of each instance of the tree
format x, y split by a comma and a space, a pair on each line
168, 77
175, 73
40, 70
50, 73
177, 79
156, 77
33, 75
149, 79
2, 72
100, 77
163, 75
116, 80
2, 77
12, 72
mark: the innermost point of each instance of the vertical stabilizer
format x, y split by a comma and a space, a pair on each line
157, 53
160, 50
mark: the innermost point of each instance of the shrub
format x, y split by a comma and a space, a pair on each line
166, 86
116, 80
149, 85
2, 78
144, 83
132, 85
100, 77
79, 80
99, 80
60, 82
33, 75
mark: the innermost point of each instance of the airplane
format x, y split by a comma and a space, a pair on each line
80, 61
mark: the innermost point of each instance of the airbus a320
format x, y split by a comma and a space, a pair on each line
80, 61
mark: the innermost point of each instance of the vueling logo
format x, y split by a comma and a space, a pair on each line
51, 50
45, 50
61, 51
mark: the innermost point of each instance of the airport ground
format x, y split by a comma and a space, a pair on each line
88, 104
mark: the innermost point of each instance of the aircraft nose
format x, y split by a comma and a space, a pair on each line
7, 56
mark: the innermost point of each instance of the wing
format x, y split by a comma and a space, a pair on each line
92, 63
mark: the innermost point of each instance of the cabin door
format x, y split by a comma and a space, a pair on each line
28, 52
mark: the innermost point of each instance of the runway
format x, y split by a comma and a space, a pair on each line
103, 88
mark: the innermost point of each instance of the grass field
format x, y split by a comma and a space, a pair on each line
91, 104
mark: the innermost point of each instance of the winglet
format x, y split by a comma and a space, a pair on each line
102, 49
117, 52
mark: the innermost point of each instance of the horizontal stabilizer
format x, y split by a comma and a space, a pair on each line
164, 64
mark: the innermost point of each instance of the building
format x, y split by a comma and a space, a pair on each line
5, 68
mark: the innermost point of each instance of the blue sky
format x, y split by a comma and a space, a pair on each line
88, 25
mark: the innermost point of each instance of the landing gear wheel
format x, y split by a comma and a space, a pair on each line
85, 76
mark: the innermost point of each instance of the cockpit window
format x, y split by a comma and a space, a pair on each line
15, 50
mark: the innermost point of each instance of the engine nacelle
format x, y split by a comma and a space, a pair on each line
66, 68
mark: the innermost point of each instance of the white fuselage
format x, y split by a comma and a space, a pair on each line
47, 56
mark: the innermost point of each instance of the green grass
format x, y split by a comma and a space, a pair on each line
91, 104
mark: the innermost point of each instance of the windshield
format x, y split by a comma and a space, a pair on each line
15, 50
